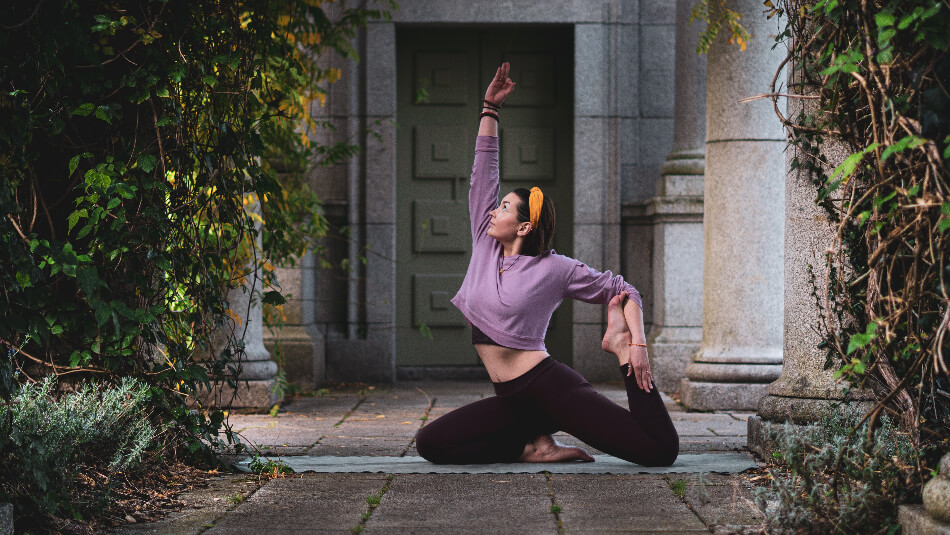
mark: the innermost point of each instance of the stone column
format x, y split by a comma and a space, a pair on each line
257, 370
805, 392
677, 214
744, 196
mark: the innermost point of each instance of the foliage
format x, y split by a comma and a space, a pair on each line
718, 17
874, 80
48, 444
154, 156
869, 124
838, 477
269, 466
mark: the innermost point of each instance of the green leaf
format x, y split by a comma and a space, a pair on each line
84, 109
859, 340
73, 164
846, 168
23, 279
56, 330
908, 142
88, 279
103, 311
943, 225
210, 80
162, 92
146, 162
884, 19
102, 112
115, 201
84, 231
74, 218
274, 298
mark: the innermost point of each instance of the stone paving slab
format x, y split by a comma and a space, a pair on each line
320, 503
346, 425
729, 463
721, 500
207, 505
621, 504
457, 503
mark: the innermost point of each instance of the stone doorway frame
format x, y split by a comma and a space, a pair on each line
605, 104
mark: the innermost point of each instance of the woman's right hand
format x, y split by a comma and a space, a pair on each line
501, 86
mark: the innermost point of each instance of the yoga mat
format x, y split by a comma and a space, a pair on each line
723, 463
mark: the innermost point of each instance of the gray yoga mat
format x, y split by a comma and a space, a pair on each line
723, 463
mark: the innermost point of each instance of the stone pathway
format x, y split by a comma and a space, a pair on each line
382, 422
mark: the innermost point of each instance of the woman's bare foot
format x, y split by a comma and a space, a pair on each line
544, 449
617, 337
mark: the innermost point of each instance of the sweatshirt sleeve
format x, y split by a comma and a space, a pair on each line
592, 286
483, 193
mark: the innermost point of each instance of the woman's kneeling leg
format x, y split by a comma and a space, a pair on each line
487, 431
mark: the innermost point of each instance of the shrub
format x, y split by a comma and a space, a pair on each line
154, 155
835, 477
50, 442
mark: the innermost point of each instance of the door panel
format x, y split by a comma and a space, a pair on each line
439, 92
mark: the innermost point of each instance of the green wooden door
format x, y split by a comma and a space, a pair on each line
442, 76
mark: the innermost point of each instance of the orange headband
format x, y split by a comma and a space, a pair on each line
535, 202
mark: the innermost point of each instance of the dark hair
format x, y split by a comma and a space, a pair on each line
541, 237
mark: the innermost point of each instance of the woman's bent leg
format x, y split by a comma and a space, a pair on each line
643, 435
491, 430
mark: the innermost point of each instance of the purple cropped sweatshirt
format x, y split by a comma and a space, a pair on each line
514, 308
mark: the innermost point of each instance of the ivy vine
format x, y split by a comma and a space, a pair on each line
872, 79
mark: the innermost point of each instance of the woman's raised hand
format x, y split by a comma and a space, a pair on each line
501, 86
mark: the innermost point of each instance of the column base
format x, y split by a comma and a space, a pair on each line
669, 361
6, 519
914, 520
777, 411
249, 395
304, 352
721, 396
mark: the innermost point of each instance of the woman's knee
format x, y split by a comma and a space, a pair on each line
427, 443
667, 453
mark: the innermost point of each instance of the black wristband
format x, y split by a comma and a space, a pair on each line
491, 105
489, 114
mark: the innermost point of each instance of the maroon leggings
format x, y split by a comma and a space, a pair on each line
548, 398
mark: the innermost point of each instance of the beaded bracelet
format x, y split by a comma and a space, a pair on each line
489, 114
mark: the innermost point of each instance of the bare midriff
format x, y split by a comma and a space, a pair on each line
504, 363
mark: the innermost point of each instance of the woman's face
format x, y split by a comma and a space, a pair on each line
504, 224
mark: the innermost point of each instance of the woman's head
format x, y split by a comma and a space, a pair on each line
541, 236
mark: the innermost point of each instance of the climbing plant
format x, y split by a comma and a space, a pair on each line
869, 122
874, 80
142, 145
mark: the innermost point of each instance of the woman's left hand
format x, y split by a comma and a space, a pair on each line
501, 86
639, 362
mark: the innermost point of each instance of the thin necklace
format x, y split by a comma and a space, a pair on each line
503, 268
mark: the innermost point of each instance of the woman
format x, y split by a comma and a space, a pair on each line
513, 285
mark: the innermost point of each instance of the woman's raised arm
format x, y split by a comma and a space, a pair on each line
498, 90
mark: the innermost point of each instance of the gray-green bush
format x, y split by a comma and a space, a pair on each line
833, 480
49, 439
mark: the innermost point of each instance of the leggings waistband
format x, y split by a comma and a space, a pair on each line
508, 388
